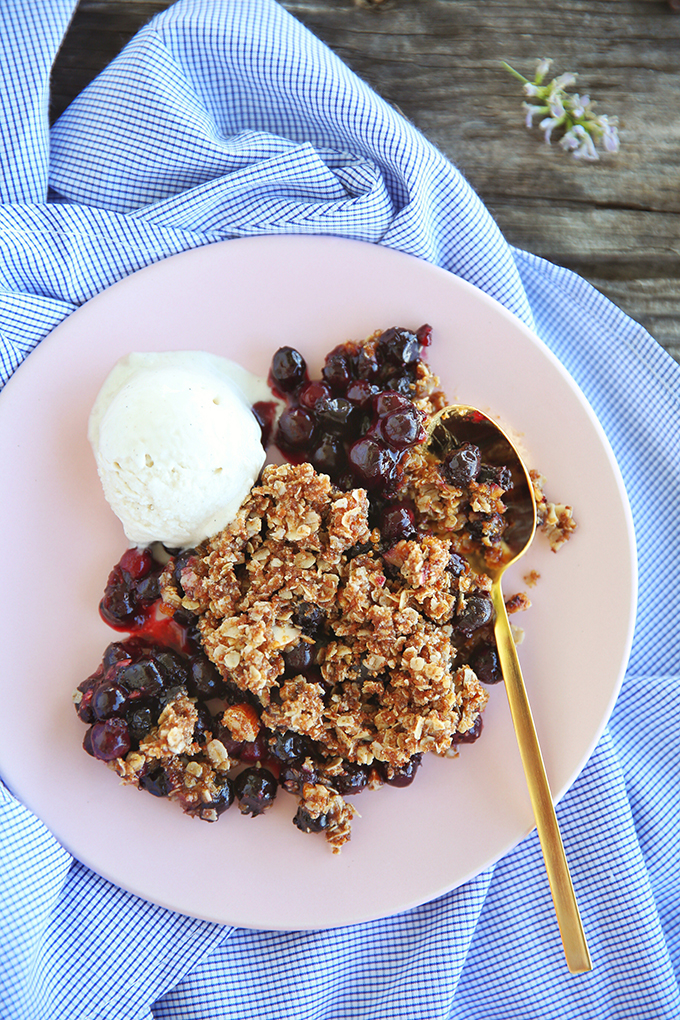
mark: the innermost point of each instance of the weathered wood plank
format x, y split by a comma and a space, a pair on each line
617, 221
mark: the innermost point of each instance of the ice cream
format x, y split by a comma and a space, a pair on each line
177, 445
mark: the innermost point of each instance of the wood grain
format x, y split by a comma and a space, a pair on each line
616, 221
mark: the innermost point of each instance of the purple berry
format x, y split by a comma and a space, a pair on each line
397, 523
371, 463
110, 739
402, 428
255, 790
295, 428
462, 465
288, 369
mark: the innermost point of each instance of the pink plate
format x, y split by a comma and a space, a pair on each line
243, 299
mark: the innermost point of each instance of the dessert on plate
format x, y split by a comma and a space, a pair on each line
323, 629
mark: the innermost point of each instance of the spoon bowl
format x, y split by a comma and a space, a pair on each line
448, 430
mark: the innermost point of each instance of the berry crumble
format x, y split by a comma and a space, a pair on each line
334, 632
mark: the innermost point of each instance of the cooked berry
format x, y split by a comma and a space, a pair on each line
300, 658
397, 523
148, 588
290, 746
142, 675
372, 463
205, 724
295, 428
491, 475
288, 369
353, 779
337, 369
309, 617
457, 565
462, 465
117, 651
402, 428
136, 562
485, 663
254, 750
470, 735
169, 694
403, 775
119, 604
336, 414
222, 799
110, 739
306, 823
255, 790
477, 611
328, 455
140, 720
362, 392
294, 774
313, 393
486, 527
108, 699
173, 667
389, 401
365, 365
156, 783
399, 346
204, 679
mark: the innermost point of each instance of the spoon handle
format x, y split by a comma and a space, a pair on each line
564, 899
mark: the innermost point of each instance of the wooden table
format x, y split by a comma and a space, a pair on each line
615, 221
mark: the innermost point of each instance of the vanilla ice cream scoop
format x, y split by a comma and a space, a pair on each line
177, 445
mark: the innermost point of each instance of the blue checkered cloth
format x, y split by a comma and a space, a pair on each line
224, 118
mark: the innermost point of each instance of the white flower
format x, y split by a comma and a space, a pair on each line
579, 143
573, 115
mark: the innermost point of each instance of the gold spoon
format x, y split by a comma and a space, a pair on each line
449, 428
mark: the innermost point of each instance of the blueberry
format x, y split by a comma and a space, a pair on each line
328, 455
290, 746
140, 720
372, 464
295, 429
478, 611
108, 699
403, 775
485, 663
309, 617
156, 783
288, 369
397, 523
337, 370
255, 790
490, 475
299, 659
457, 565
462, 465
109, 739
204, 680
142, 675
470, 735
353, 779
306, 823
336, 414
402, 428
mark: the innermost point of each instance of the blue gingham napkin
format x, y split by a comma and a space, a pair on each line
224, 118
